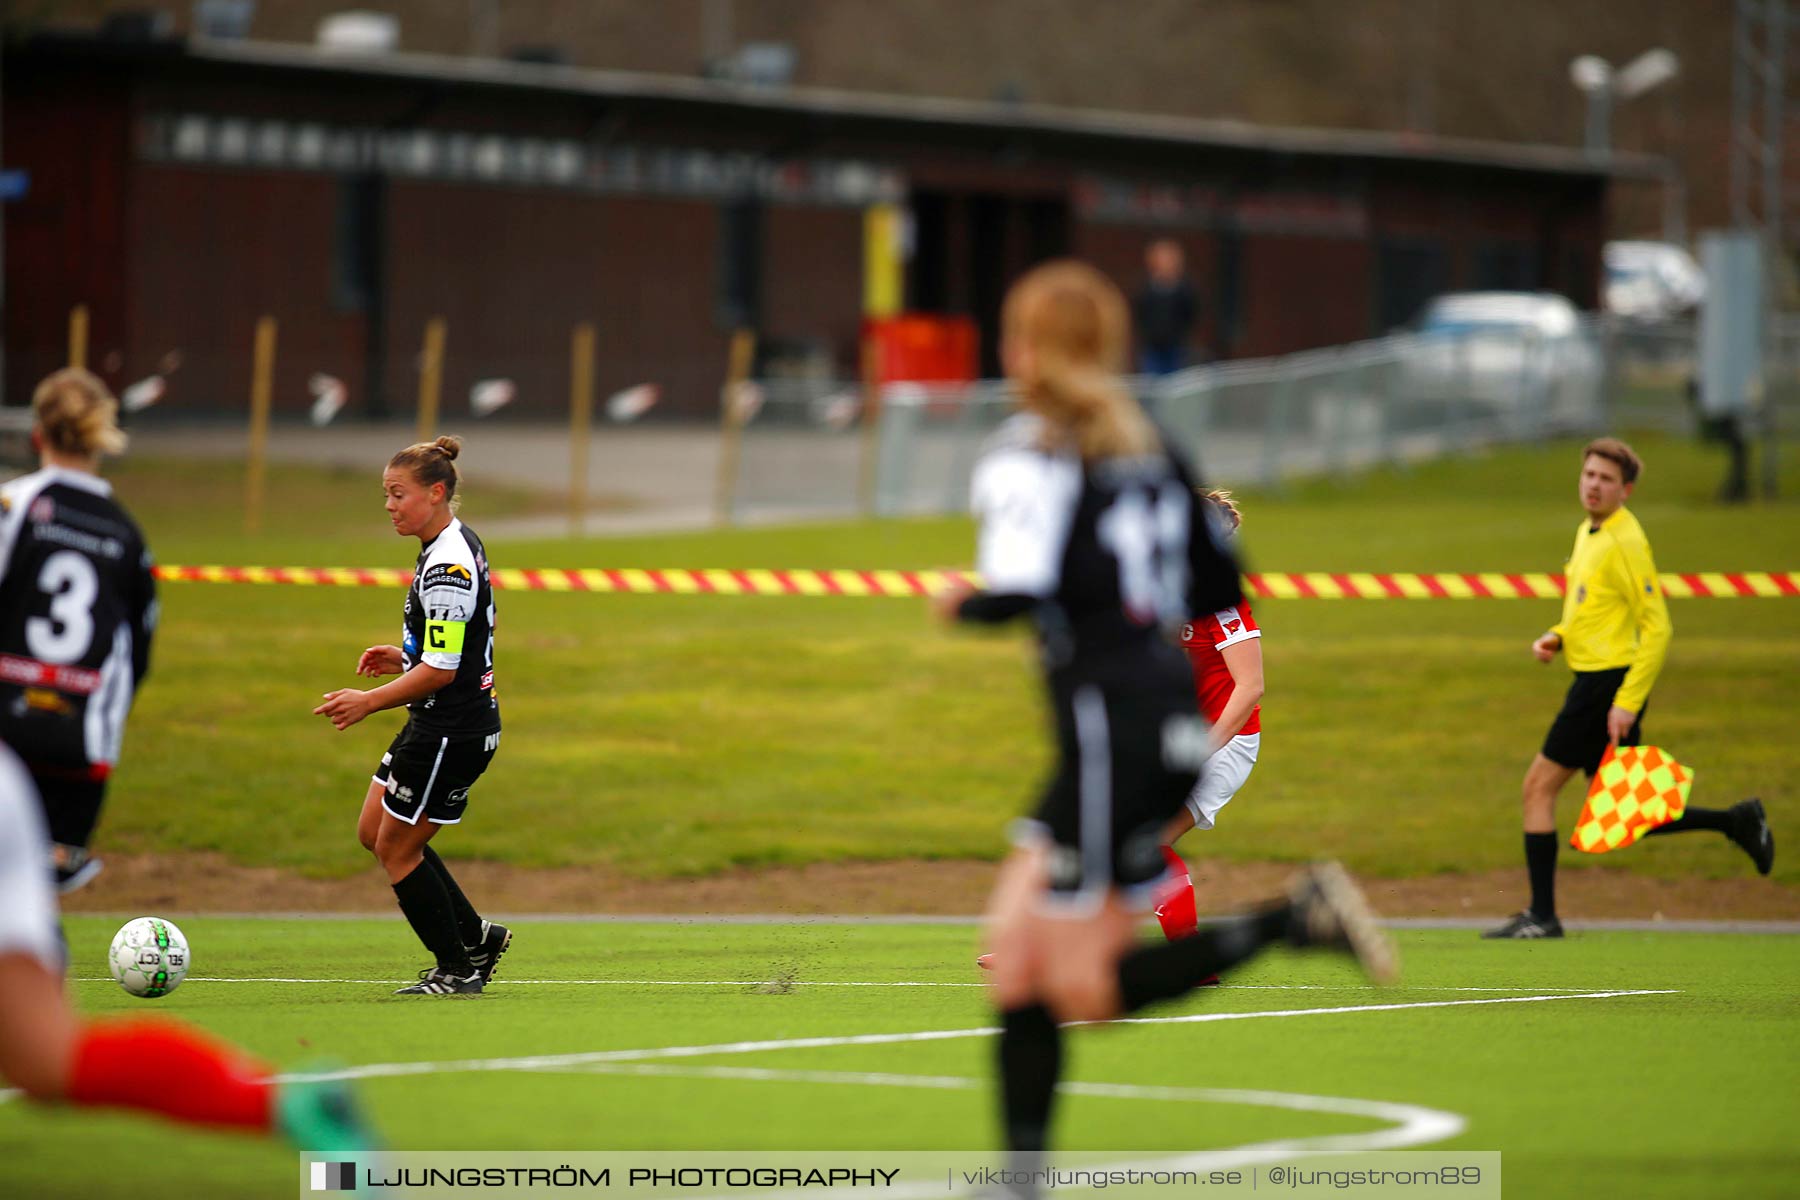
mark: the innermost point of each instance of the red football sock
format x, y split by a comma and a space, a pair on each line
163, 1067
1177, 912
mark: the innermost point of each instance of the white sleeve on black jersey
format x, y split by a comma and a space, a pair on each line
447, 591
27, 905
15, 500
1025, 501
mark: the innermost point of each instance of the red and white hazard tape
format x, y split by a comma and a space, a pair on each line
1265, 586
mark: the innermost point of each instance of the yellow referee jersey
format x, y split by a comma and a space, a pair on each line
1614, 613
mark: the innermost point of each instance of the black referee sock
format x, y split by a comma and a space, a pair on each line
468, 921
1030, 1055
1719, 820
1540, 864
1175, 968
427, 907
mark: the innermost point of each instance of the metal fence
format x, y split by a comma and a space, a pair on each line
808, 449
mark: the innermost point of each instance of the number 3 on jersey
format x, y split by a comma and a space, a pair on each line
1147, 532
70, 582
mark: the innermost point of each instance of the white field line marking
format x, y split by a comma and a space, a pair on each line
550, 1062
896, 983
1201, 1018
1410, 1124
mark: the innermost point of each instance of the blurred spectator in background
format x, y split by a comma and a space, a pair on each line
1724, 427
1165, 309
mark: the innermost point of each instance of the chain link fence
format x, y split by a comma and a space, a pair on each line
810, 449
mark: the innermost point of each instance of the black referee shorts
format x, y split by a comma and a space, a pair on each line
1577, 738
1128, 759
429, 775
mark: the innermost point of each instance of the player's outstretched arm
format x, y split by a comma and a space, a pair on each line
346, 706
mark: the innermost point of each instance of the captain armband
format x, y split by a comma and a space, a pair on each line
444, 637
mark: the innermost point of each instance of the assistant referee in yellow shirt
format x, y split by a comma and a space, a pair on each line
1614, 633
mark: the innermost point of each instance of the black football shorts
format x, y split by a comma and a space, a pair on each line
430, 774
1577, 738
1127, 760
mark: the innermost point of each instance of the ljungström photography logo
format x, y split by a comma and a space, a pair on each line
334, 1177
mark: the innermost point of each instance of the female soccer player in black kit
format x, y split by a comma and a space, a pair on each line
446, 669
1091, 526
77, 611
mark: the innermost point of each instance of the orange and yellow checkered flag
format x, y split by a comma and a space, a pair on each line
1636, 789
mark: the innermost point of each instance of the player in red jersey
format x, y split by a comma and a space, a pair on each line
1225, 649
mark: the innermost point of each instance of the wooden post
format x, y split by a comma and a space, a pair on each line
78, 335
871, 426
731, 423
581, 410
262, 381
431, 378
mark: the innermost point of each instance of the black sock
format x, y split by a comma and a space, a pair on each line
1174, 968
1030, 1054
72, 815
468, 921
1540, 864
427, 907
1719, 820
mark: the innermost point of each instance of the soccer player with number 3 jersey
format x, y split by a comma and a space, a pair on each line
77, 609
446, 669
77, 612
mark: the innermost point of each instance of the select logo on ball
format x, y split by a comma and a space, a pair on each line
149, 957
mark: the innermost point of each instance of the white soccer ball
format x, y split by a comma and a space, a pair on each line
149, 957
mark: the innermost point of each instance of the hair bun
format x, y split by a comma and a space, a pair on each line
450, 444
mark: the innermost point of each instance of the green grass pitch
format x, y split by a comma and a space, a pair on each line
673, 736
677, 735
1685, 1090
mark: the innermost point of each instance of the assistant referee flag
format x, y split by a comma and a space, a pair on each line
1636, 789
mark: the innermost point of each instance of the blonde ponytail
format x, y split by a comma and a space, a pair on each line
75, 414
1103, 417
1068, 330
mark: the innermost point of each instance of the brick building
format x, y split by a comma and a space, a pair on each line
180, 189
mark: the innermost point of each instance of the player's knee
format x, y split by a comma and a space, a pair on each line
1093, 999
398, 855
365, 833
33, 1073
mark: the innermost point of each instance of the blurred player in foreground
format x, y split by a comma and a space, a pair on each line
150, 1065
446, 669
77, 612
1090, 526
1225, 648
1614, 633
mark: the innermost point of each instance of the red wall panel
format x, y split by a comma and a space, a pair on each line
215, 250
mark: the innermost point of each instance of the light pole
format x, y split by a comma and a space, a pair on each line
1596, 78
1603, 85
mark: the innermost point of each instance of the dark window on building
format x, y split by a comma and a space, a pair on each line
1228, 291
740, 262
1505, 267
356, 246
1580, 277
1408, 273
928, 267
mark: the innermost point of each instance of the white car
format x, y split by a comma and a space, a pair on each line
1650, 281
1526, 358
